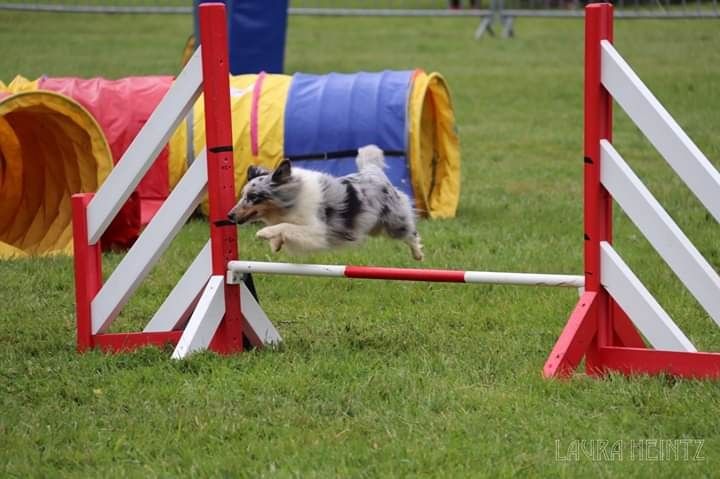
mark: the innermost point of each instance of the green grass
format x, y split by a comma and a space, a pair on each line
380, 379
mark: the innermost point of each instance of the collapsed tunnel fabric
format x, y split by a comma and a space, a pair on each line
60, 136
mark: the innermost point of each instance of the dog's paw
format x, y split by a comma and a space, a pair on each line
272, 236
266, 233
276, 243
417, 252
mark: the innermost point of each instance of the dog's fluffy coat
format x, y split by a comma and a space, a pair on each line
311, 211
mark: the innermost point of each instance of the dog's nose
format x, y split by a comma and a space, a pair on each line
232, 218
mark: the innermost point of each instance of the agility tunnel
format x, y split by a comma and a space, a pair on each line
60, 136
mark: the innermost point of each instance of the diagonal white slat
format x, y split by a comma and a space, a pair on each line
641, 307
683, 156
148, 248
143, 150
177, 306
204, 321
660, 230
256, 318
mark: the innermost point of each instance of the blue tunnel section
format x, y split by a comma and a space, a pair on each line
328, 117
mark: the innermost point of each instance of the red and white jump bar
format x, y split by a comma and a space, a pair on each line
237, 268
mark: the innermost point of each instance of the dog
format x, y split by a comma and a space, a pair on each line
307, 211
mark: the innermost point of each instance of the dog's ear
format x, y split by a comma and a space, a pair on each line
282, 172
255, 171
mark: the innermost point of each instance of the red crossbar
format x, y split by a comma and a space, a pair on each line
437, 275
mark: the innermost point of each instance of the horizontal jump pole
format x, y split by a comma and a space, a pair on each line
237, 268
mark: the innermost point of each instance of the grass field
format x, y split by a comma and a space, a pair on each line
382, 379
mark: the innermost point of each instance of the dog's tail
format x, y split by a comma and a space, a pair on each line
368, 156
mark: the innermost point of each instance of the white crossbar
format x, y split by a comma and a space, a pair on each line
237, 268
642, 309
292, 269
660, 230
525, 279
148, 248
691, 165
143, 150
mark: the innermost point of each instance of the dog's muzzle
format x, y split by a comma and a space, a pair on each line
224, 223
238, 220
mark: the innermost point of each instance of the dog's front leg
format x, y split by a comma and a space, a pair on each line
273, 235
295, 238
304, 238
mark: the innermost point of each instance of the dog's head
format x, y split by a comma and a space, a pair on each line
265, 195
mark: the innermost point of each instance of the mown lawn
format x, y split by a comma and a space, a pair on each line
379, 379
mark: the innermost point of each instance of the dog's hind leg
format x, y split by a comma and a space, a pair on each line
398, 221
402, 227
413, 241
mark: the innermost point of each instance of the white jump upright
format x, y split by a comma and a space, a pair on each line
201, 311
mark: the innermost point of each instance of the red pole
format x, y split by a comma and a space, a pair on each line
405, 274
88, 270
221, 177
598, 126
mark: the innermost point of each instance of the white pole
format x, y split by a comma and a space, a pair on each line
293, 269
237, 268
525, 279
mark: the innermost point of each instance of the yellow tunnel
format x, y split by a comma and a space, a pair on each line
50, 148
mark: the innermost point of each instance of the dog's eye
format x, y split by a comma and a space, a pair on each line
251, 197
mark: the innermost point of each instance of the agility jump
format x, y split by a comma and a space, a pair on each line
615, 311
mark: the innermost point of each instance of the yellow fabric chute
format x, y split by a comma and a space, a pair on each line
434, 147
50, 148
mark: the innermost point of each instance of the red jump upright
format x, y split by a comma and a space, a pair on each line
598, 329
97, 308
221, 172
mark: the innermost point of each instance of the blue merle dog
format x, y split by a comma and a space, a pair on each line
312, 211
